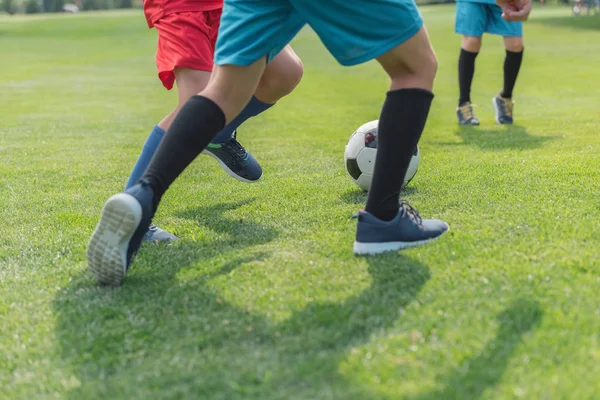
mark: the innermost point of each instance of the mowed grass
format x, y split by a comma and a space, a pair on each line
262, 297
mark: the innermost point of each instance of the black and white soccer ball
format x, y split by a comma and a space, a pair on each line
360, 154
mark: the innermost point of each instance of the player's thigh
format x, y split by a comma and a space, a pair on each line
286, 59
498, 26
413, 62
471, 18
284, 70
253, 29
251, 32
231, 86
357, 31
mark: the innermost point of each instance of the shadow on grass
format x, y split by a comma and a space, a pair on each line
585, 22
507, 137
483, 371
169, 339
226, 235
96, 326
359, 197
240, 232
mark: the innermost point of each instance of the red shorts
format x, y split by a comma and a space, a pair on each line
186, 40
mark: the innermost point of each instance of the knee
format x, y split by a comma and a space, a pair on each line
426, 68
514, 44
282, 79
420, 72
472, 43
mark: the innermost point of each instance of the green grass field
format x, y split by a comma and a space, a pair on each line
262, 297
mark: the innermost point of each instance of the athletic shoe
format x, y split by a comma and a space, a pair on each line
123, 224
407, 229
235, 160
504, 110
156, 235
466, 116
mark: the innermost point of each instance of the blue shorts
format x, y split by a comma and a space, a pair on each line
475, 19
354, 31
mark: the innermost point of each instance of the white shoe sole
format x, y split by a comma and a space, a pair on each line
369, 249
107, 248
228, 170
496, 110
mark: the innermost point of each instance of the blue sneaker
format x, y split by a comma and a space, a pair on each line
156, 235
504, 110
466, 115
123, 224
235, 160
407, 229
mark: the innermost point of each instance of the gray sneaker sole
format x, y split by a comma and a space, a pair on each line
228, 170
160, 238
107, 248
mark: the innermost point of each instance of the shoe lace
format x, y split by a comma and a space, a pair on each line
236, 147
508, 106
409, 209
467, 111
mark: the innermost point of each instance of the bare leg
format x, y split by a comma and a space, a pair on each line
412, 67
189, 82
472, 43
281, 77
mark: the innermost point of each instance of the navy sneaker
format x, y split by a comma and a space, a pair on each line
466, 116
407, 229
123, 224
235, 160
156, 235
504, 110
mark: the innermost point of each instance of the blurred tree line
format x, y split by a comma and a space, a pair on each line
40, 6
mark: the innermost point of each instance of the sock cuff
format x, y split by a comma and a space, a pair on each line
159, 130
518, 53
217, 112
410, 92
469, 53
262, 103
156, 136
255, 107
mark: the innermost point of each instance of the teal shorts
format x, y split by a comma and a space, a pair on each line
354, 31
475, 19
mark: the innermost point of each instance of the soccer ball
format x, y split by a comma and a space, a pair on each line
360, 153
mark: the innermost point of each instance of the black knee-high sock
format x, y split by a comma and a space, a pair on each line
401, 123
196, 124
466, 70
512, 65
